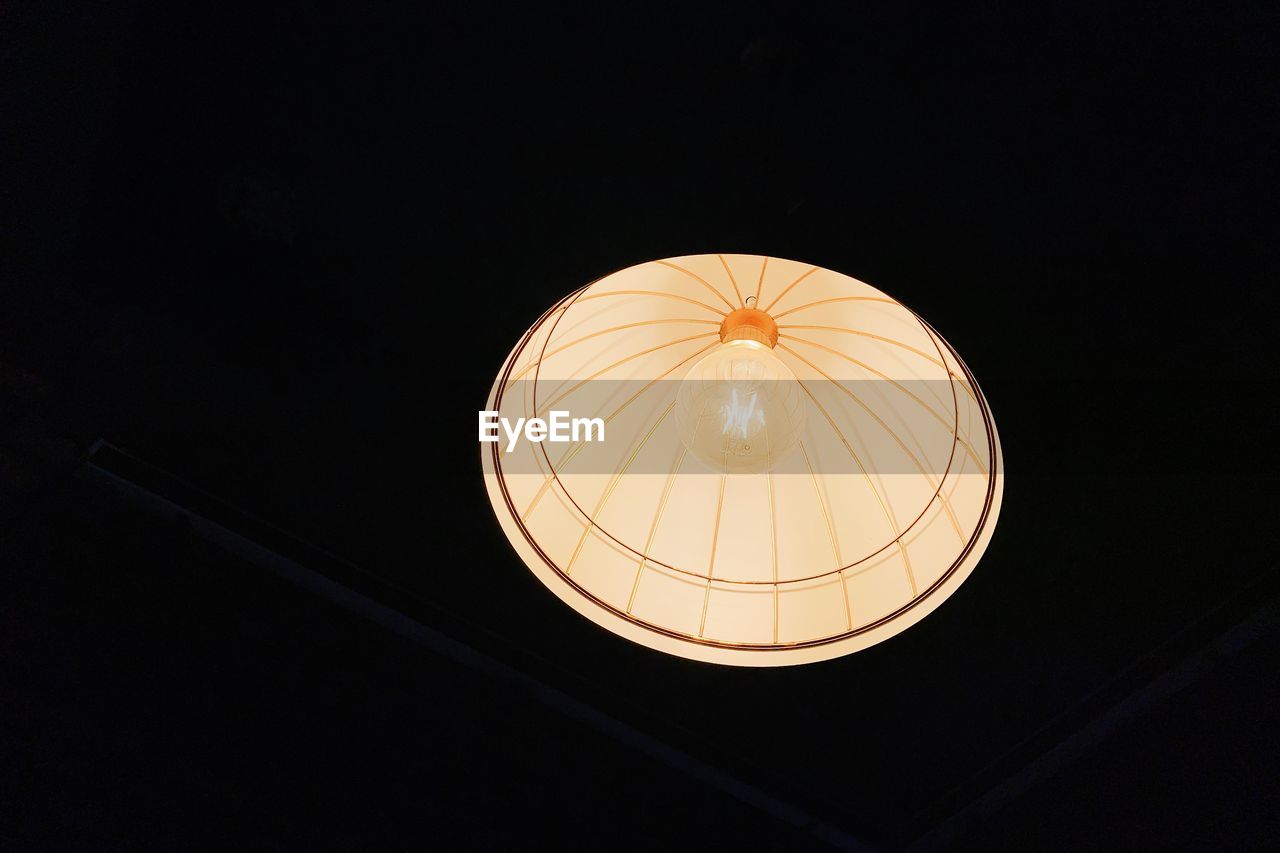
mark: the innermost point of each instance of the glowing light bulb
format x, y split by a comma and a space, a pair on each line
740, 409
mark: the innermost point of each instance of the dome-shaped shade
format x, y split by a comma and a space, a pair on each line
877, 513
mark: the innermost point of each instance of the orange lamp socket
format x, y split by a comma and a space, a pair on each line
749, 324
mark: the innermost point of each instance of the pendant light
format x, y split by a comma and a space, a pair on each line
789, 464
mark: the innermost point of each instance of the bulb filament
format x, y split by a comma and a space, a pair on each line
738, 416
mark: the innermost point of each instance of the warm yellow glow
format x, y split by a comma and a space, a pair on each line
796, 466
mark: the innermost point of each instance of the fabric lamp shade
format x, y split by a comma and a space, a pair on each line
794, 466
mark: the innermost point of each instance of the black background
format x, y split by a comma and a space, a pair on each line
282, 253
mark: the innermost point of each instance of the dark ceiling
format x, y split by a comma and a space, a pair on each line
282, 254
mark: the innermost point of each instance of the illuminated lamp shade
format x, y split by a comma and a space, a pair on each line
794, 465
